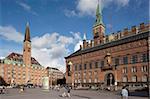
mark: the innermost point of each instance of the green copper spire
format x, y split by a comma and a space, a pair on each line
98, 16
98, 10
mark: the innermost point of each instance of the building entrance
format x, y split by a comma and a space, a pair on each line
110, 79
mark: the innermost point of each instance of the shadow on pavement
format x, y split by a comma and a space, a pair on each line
139, 93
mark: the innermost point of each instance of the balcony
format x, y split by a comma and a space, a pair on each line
104, 68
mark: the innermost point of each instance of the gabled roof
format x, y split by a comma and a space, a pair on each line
19, 57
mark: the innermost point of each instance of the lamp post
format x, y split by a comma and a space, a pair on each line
71, 70
148, 57
51, 78
116, 78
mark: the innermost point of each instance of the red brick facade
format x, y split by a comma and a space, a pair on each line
117, 59
126, 59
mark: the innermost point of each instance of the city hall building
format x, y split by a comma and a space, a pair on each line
17, 69
117, 59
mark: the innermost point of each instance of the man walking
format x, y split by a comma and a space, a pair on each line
124, 93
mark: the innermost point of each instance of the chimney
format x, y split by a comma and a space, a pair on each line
106, 38
90, 43
84, 44
125, 32
142, 26
118, 35
87, 44
80, 47
133, 30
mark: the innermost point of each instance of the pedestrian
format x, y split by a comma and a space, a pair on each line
21, 89
3, 90
64, 91
68, 90
124, 93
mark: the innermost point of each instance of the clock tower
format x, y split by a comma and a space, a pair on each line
27, 52
98, 27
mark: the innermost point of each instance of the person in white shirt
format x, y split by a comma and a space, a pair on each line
124, 93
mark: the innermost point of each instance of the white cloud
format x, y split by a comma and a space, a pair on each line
122, 2
50, 49
88, 7
2, 57
70, 13
77, 46
26, 7
109, 26
10, 33
65, 39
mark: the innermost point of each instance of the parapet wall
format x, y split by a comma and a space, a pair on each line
127, 32
119, 35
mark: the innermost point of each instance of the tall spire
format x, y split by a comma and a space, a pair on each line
84, 36
99, 8
27, 33
98, 14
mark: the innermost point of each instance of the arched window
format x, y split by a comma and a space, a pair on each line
90, 80
84, 74
96, 80
84, 80
76, 80
125, 79
134, 78
144, 78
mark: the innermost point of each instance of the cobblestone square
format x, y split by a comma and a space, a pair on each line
38, 93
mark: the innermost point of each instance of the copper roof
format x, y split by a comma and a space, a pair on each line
19, 57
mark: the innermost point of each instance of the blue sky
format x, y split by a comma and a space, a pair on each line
57, 26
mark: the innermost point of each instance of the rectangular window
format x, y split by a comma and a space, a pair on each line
102, 63
96, 73
124, 70
96, 64
144, 57
84, 66
80, 67
79, 75
90, 73
134, 59
133, 69
90, 65
125, 60
75, 67
84, 80
144, 69
116, 61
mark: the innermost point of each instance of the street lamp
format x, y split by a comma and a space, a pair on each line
51, 77
148, 57
116, 77
71, 71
